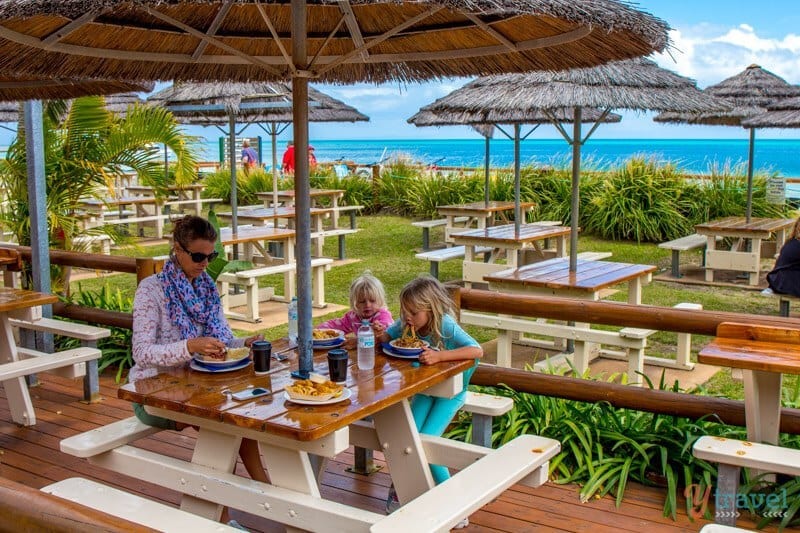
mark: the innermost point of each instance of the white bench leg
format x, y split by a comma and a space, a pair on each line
504, 340
224, 294
636, 365
318, 286
482, 430
725, 512
252, 301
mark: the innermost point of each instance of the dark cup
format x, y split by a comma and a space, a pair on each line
262, 355
337, 365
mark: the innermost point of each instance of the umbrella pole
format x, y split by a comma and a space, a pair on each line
301, 190
274, 135
576, 191
517, 210
751, 155
234, 187
486, 173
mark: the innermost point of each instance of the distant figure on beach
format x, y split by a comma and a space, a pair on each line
287, 162
312, 159
249, 156
785, 277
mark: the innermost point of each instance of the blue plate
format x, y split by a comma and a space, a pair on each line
194, 364
335, 344
391, 352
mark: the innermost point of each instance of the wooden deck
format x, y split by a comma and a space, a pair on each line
31, 456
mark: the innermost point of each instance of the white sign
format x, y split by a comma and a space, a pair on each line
776, 190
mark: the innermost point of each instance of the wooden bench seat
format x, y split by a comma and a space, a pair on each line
88, 335
446, 504
100, 242
132, 507
42, 362
341, 233
107, 437
684, 244
446, 254
249, 279
350, 210
426, 226
732, 455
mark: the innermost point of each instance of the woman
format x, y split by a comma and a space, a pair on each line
177, 313
785, 277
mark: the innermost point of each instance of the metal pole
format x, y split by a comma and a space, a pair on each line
274, 134
751, 155
576, 188
37, 208
301, 190
486, 173
517, 210
234, 182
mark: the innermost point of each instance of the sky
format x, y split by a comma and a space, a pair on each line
711, 40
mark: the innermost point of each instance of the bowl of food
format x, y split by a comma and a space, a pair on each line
314, 391
408, 345
324, 338
231, 357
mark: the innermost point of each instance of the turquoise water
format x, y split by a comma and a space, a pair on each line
696, 155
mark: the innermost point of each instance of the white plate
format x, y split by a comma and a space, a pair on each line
388, 350
222, 364
346, 393
242, 364
336, 344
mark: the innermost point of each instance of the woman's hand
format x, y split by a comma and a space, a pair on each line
250, 340
430, 357
206, 346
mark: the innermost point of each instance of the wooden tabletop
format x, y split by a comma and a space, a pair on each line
255, 233
200, 394
268, 213
481, 208
591, 276
121, 200
13, 299
768, 356
507, 234
740, 225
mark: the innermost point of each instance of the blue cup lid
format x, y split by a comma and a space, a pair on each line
261, 345
338, 353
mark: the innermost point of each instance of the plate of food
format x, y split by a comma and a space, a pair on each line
318, 391
232, 357
327, 338
199, 366
408, 344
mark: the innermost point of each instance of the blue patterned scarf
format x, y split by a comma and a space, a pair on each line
194, 307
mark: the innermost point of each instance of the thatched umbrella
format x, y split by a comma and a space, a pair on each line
747, 94
485, 124
336, 42
637, 84
782, 114
225, 103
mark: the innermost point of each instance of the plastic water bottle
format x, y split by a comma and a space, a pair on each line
293, 320
366, 346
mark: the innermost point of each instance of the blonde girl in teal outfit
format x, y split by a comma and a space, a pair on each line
426, 306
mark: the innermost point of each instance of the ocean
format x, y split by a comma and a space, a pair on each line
692, 155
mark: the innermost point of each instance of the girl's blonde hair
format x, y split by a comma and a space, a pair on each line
426, 293
367, 286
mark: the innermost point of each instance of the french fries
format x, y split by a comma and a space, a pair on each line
305, 389
323, 334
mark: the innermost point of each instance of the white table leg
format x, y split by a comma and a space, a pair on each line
214, 450
762, 393
289, 278
755, 245
403, 451
19, 399
711, 245
635, 291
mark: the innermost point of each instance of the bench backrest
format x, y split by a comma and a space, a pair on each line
32, 510
735, 330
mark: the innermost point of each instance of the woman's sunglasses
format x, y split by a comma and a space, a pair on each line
197, 257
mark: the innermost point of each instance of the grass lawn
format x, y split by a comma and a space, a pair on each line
386, 245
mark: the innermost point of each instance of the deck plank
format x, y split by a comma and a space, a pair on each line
31, 456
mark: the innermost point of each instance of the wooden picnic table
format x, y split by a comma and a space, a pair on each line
148, 210
505, 241
191, 193
745, 253
764, 354
553, 277
288, 433
479, 215
286, 197
18, 303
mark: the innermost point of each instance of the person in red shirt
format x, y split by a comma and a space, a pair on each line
287, 163
312, 159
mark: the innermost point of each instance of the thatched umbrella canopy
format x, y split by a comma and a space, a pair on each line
637, 84
486, 122
747, 94
268, 104
782, 114
339, 42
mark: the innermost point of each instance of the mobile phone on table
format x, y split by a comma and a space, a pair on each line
247, 394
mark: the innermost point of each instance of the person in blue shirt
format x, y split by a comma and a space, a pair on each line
427, 310
249, 156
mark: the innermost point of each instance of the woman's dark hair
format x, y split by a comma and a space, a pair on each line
190, 228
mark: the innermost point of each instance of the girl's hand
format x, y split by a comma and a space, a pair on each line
379, 328
430, 357
250, 340
350, 342
206, 346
